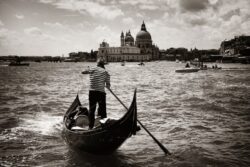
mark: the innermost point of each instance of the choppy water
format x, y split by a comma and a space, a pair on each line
202, 118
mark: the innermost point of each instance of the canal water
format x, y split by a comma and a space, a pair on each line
202, 118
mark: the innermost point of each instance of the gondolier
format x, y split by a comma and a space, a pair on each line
99, 79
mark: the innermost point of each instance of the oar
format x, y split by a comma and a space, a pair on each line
159, 144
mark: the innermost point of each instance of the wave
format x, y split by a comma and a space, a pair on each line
200, 127
177, 129
43, 123
219, 142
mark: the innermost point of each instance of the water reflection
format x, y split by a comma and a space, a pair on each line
80, 158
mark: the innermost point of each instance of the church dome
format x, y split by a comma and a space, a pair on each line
143, 34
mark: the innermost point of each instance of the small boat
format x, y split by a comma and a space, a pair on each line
123, 63
187, 70
141, 64
18, 64
102, 139
85, 72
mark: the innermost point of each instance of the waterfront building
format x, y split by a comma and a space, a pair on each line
239, 45
236, 49
141, 49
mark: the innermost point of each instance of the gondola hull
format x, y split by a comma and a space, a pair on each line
105, 139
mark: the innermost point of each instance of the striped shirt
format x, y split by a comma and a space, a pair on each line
99, 78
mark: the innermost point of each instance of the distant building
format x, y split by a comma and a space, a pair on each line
239, 45
141, 49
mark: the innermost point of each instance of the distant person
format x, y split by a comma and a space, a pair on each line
187, 65
99, 78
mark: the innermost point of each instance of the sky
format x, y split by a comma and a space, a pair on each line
58, 27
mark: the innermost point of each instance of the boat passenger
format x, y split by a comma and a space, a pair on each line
99, 79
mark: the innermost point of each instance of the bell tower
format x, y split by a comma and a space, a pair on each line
122, 39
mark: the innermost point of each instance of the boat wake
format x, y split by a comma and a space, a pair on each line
43, 123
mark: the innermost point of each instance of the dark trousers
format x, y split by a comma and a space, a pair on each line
94, 98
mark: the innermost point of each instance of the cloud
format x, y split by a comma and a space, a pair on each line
202, 25
103, 32
1, 23
128, 21
139, 15
54, 25
9, 41
191, 19
19, 16
143, 4
180, 36
213, 2
193, 5
3, 33
36, 34
231, 13
197, 21
95, 9
129, 2
148, 7
33, 31
47, 1
246, 27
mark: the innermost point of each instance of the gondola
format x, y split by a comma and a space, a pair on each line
103, 139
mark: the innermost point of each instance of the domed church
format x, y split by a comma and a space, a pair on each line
142, 49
